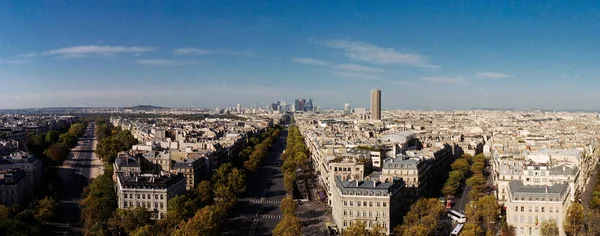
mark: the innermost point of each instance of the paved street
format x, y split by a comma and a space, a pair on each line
257, 212
81, 165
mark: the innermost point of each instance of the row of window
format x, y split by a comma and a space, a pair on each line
534, 220
143, 196
370, 224
364, 213
537, 198
147, 205
12, 191
364, 203
537, 209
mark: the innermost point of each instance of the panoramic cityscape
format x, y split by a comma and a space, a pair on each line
299, 118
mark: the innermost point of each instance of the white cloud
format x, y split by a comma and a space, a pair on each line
200, 51
17, 61
358, 68
405, 83
355, 75
378, 55
491, 75
82, 51
27, 55
167, 62
443, 80
310, 61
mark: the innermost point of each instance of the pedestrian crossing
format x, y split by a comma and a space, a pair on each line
261, 201
252, 216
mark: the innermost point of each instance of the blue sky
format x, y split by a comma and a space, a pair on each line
421, 54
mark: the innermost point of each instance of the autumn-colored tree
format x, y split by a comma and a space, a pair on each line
359, 228
424, 216
204, 191
289, 178
549, 228
288, 226
467, 156
206, 221
507, 230
145, 230
592, 219
461, 165
472, 229
128, 220
46, 209
288, 205
57, 152
574, 219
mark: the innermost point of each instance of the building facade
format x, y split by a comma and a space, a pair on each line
376, 104
149, 191
373, 202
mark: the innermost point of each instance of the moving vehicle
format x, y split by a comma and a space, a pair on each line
456, 230
457, 216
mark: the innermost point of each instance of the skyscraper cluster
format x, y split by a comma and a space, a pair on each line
303, 105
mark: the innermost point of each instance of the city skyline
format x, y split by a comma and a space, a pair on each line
438, 55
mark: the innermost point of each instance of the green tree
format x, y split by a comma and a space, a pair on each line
549, 228
178, 207
288, 226
574, 219
98, 203
288, 205
52, 136
68, 140
46, 209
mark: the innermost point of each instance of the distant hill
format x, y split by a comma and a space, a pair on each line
145, 107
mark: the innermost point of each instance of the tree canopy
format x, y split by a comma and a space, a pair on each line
574, 219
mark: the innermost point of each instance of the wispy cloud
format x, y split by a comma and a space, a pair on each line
13, 61
358, 68
366, 52
354, 75
443, 80
27, 55
167, 62
405, 83
82, 51
491, 75
310, 61
200, 51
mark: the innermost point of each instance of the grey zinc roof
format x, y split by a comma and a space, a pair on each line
517, 187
